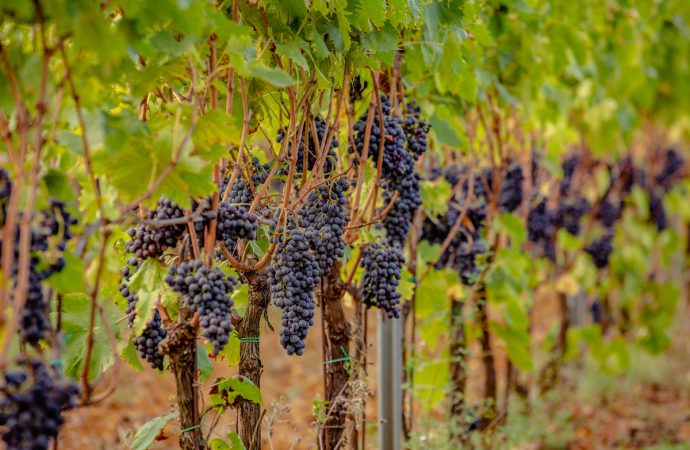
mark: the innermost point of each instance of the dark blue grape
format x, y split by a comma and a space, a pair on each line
206, 291
323, 218
657, 212
150, 241
293, 278
147, 343
32, 401
600, 250
382, 272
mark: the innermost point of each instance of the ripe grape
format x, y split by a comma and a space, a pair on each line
356, 89
382, 272
131, 296
34, 321
569, 166
206, 291
570, 212
416, 130
313, 152
609, 212
323, 218
600, 250
673, 164
293, 277
147, 343
33, 398
235, 222
241, 192
398, 221
541, 226
657, 212
463, 256
150, 241
397, 162
510, 196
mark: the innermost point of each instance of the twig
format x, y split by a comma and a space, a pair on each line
86, 394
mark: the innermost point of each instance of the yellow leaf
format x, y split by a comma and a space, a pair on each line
566, 284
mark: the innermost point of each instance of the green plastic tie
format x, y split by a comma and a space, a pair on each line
254, 339
345, 359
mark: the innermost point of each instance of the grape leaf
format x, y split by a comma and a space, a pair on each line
146, 435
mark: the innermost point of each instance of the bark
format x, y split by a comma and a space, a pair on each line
551, 371
487, 358
458, 372
250, 362
565, 325
180, 346
336, 346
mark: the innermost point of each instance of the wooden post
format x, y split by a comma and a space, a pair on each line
389, 383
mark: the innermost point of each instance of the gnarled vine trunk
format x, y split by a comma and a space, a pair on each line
180, 346
336, 350
458, 371
250, 361
487, 357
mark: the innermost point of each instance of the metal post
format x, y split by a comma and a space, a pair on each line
389, 383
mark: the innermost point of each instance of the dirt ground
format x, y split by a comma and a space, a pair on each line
647, 407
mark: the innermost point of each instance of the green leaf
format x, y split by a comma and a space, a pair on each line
71, 278
58, 185
293, 50
231, 352
229, 389
276, 77
512, 225
435, 196
149, 284
204, 363
235, 443
129, 354
343, 23
75, 324
146, 435
217, 127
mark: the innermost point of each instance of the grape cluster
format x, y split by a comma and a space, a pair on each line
241, 192
131, 296
235, 222
569, 166
657, 212
34, 321
511, 192
609, 212
464, 257
356, 89
33, 398
150, 241
416, 130
323, 218
206, 291
672, 165
569, 214
600, 250
313, 151
147, 343
292, 278
382, 272
398, 221
541, 228
397, 162
55, 222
